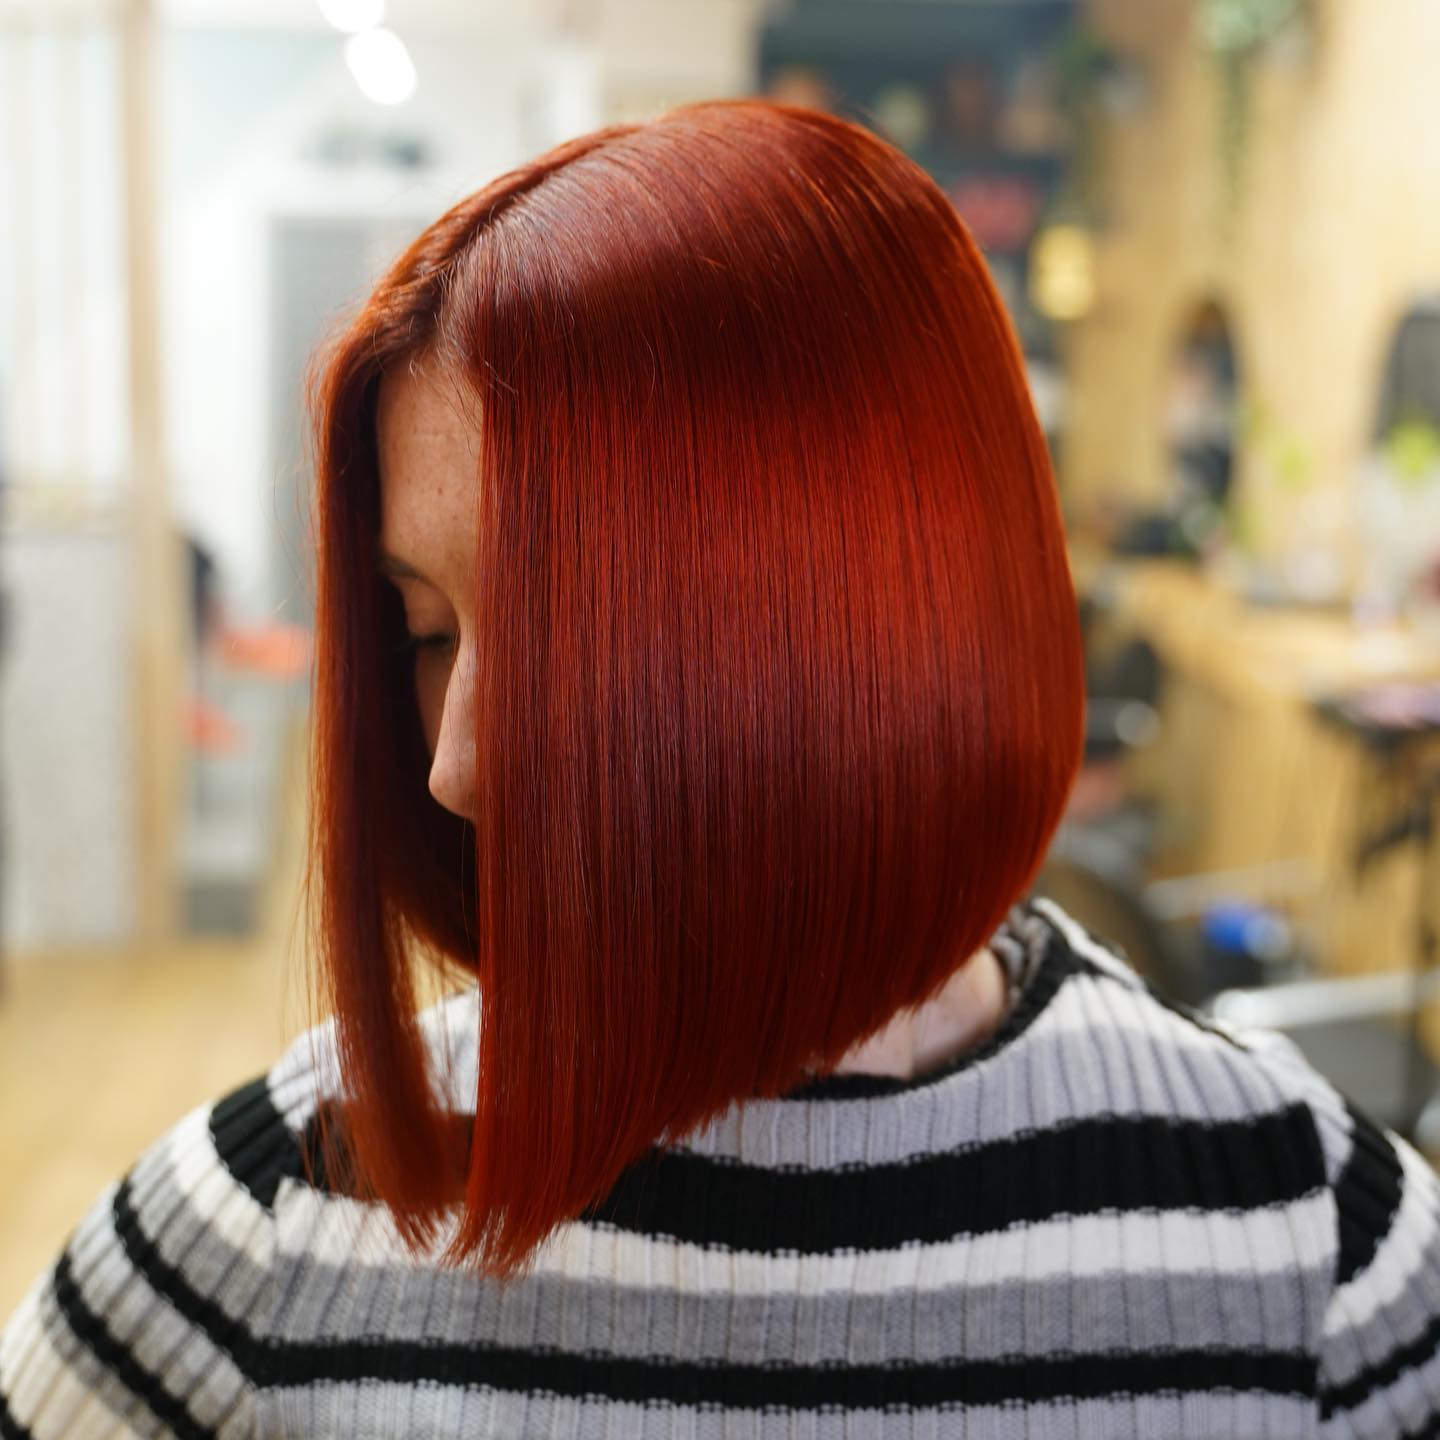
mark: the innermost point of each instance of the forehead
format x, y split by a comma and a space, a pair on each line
427, 450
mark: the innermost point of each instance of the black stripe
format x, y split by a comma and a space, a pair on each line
1103, 1163
800, 1387
92, 1331
1108, 1163
1367, 1193
253, 1141
223, 1331
10, 1427
1355, 1392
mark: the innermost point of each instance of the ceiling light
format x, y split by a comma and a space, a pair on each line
381, 65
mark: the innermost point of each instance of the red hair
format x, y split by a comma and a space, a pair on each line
779, 693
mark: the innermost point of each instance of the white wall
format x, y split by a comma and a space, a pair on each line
481, 108
63, 413
67, 822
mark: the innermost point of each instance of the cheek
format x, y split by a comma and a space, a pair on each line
430, 683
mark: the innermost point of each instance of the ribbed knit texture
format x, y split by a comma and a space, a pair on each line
1113, 1220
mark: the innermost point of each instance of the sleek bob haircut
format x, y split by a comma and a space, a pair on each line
779, 685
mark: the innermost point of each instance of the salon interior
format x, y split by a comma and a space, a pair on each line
1216, 225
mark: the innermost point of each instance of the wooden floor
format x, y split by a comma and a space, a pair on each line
101, 1052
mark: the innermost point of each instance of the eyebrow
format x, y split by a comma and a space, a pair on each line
392, 565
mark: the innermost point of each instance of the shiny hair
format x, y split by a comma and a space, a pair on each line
779, 680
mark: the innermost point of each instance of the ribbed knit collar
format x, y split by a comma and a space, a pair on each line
837, 1122
1030, 949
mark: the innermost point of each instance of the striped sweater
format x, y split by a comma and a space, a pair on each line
1113, 1219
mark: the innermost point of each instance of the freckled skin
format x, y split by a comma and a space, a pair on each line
428, 457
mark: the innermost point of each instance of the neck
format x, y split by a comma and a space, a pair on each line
958, 1018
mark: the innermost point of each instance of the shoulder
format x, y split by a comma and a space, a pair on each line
1368, 1204
153, 1318
1155, 1056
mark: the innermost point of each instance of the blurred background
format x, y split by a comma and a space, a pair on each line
1216, 224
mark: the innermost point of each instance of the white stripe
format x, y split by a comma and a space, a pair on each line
1275, 1240
1392, 1270
451, 1028
368, 1414
1280, 1239
40, 1385
309, 1068
213, 1194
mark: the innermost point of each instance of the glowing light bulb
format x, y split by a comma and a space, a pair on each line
381, 65
1062, 272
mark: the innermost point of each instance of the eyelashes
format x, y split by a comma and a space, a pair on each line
435, 641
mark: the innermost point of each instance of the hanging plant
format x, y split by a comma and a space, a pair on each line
1080, 61
1094, 86
1236, 33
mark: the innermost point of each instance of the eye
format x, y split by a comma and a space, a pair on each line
437, 641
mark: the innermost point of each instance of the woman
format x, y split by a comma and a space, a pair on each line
699, 683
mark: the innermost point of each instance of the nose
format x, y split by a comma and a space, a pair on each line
452, 768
